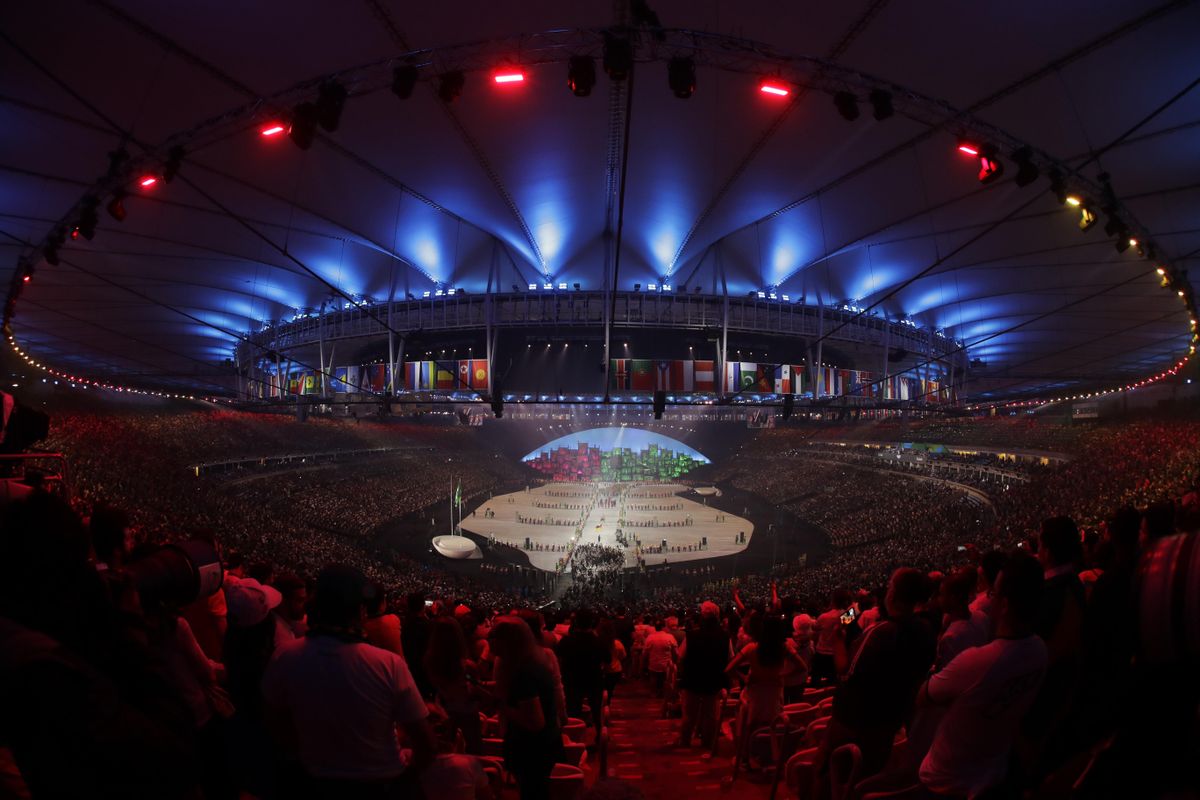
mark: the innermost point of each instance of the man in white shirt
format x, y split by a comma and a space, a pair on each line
338, 701
661, 648
985, 691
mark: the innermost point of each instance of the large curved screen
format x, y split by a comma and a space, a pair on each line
614, 454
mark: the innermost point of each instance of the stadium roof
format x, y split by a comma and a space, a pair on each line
515, 183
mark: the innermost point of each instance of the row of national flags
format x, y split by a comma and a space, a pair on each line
640, 375
648, 375
460, 375
741, 376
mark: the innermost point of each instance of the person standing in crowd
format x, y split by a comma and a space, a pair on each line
291, 613
868, 611
828, 629
525, 690
766, 659
537, 624
623, 626
109, 529
382, 628
984, 692
250, 640
886, 669
414, 640
615, 652
702, 660
800, 644
989, 570
1060, 624
453, 673
582, 659
207, 616
337, 702
961, 628
660, 649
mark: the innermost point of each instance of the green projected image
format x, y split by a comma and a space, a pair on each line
614, 454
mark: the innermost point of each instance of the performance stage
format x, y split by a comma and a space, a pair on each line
636, 517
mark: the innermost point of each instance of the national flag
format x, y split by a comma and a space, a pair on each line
338, 384
704, 378
642, 379
377, 377
673, 376
458, 494
618, 374
683, 376
293, 386
443, 376
352, 379
866, 386
479, 374
797, 379
850, 384
783, 379
733, 376
831, 382
748, 379
764, 380
412, 375
310, 383
662, 375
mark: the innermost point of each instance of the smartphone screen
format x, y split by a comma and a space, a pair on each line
849, 614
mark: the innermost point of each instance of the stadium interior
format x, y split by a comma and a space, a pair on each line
599, 401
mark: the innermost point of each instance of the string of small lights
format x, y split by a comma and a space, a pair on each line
79, 381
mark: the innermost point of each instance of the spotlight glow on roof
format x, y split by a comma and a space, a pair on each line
774, 88
968, 148
1073, 200
148, 181
272, 129
509, 77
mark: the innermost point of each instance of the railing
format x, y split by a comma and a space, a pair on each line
587, 309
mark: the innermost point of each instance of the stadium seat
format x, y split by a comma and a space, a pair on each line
566, 782
575, 754
844, 765
798, 771
816, 731
575, 730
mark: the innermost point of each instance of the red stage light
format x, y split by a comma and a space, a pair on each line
272, 129
509, 76
774, 87
74, 233
968, 148
27, 278
989, 169
148, 181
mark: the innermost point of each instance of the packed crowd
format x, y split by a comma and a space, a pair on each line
300, 518
918, 617
1044, 432
991, 678
596, 572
